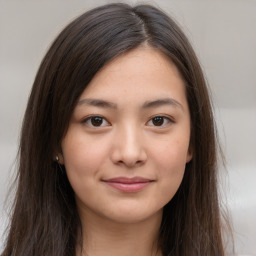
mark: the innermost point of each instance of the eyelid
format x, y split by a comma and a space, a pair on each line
106, 123
165, 117
88, 118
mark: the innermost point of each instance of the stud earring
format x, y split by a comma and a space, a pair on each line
57, 158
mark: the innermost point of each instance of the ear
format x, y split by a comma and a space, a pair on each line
58, 157
189, 154
61, 158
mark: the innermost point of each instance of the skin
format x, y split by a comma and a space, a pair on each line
127, 141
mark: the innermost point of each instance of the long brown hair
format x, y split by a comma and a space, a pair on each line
45, 220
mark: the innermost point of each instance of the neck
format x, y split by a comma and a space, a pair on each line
106, 237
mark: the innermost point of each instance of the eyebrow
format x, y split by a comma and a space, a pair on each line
98, 103
148, 104
161, 102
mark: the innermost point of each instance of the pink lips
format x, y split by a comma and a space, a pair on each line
125, 184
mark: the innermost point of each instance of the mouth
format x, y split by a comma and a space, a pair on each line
128, 185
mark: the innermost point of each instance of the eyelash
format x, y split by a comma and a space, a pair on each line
166, 120
88, 120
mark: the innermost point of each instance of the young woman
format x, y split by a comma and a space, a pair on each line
118, 148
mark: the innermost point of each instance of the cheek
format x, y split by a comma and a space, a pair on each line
83, 159
170, 163
82, 155
171, 154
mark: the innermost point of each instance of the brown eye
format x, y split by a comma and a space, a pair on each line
159, 121
96, 121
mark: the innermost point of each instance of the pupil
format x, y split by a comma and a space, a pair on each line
158, 121
96, 121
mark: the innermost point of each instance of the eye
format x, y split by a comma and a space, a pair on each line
96, 121
159, 121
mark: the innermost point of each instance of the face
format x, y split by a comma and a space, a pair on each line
127, 143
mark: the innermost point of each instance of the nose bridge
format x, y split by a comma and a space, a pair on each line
129, 148
130, 135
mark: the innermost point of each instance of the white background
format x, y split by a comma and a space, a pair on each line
224, 36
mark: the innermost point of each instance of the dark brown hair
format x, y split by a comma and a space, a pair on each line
45, 220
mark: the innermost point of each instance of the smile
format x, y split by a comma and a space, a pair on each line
128, 185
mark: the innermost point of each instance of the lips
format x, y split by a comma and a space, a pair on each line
128, 185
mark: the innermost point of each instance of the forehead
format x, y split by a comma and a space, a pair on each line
139, 75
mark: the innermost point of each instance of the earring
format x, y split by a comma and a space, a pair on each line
57, 158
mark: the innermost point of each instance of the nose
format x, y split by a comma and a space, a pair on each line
128, 149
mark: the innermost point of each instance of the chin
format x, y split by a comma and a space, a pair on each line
131, 216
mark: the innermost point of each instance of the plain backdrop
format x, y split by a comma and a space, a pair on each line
223, 34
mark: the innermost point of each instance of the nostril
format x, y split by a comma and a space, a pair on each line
129, 152
131, 164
